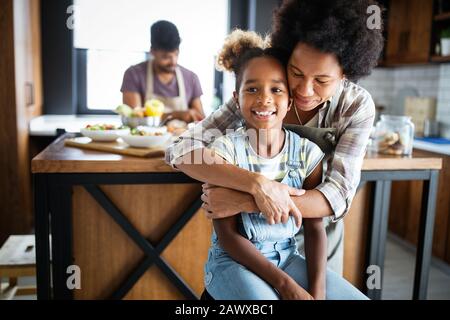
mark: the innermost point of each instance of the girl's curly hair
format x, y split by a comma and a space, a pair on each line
242, 46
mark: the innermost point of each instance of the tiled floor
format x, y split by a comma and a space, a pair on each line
398, 275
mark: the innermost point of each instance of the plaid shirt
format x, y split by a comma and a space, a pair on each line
351, 111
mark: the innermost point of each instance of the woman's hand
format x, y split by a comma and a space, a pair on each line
290, 290
274, 200
221, 202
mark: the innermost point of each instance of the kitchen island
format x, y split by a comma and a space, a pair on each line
132, 228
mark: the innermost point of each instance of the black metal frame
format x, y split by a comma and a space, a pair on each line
53, 193
376, 244
53, 216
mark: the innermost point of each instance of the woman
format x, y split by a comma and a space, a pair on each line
329, 46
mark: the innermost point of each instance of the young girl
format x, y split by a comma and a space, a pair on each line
250, 258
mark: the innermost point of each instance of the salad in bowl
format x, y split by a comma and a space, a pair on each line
104, 132
147, 137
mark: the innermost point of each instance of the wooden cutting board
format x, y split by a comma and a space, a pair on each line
118, 146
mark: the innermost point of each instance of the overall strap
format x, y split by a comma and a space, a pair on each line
294, 162
240, 142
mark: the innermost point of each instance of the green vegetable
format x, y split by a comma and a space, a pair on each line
124, 110
445, 34
99, 127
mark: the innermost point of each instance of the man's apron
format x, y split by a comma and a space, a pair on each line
171, 103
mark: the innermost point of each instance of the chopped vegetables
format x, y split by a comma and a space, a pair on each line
100, 127
137, 132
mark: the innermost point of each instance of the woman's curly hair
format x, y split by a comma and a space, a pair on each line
331, 26
242, 46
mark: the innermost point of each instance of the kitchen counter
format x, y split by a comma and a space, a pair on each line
132, 225
48, 124
60, 159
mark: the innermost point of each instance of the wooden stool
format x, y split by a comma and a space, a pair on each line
17, 259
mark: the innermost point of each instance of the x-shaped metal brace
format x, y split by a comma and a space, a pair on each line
152, 252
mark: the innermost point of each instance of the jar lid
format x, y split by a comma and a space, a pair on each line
386, 117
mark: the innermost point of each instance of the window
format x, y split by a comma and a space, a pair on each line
113, 35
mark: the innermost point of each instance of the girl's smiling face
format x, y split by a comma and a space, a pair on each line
263, 95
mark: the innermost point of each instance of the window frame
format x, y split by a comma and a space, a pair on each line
64, 67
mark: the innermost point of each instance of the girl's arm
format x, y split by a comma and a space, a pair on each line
315, 244
245, 253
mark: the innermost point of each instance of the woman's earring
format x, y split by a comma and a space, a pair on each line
291, 103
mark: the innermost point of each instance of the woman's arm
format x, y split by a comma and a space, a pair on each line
312, 204
219, 172
334, 195
245, 253
315, 244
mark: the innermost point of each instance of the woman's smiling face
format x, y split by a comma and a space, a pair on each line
263, 95
313, 76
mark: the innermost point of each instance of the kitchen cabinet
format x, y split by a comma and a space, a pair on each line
20, 93
441, 22
409, 29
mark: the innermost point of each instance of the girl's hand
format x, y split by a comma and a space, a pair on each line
292, 291
221, 202
274, 200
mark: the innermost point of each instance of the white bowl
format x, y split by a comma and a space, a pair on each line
153, 130
134, 122
147, 141
104, 135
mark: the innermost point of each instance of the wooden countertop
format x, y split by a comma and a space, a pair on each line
58, 158
418, 161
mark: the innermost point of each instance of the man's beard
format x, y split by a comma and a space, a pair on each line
167, 68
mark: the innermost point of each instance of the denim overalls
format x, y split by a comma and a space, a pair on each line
272, 240
226, 279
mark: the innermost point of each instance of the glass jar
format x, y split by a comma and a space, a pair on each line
394, 135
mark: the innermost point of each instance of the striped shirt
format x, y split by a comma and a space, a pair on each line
351, 111
274, 168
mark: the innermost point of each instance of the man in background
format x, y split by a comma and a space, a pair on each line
162, 78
